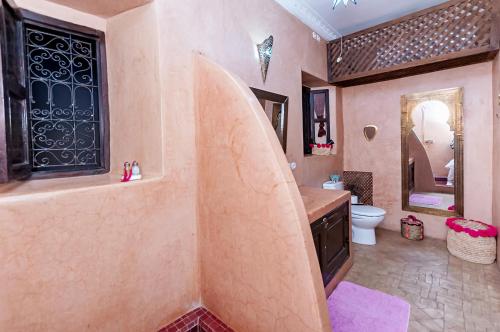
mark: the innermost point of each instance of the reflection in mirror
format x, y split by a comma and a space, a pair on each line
432, 152
276, 108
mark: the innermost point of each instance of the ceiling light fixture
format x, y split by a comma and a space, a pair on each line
338, 2
335, 4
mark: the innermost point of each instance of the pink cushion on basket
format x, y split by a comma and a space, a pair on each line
490, 231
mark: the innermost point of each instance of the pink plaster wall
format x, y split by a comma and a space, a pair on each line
103, 256
257, 252
134, 90
113, 258
496, 144
228, 32
93, 254
379, 104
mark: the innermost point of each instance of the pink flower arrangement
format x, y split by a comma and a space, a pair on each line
319, 146
490, 230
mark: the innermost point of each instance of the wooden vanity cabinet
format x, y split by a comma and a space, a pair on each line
331, 235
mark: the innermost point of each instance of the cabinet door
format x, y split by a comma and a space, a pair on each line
336, 241
317, 229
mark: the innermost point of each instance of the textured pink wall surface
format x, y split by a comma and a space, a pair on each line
114, 258
496, 149
102, 256
228, 32
259, 270
379, 104
134, 89
91, 254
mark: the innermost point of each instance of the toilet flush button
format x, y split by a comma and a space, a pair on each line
293, 165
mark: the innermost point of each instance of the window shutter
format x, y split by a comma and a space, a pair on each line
15, 153
306, 119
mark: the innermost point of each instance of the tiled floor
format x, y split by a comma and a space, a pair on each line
445, 293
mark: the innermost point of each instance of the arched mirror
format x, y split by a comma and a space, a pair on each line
432, 152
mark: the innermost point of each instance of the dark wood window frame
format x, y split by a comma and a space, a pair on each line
309, 133
8, 171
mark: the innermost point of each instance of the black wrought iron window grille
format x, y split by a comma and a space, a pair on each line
63, 102
54, 118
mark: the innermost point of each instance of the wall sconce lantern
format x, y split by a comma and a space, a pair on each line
265, 50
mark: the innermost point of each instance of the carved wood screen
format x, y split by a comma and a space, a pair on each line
452, 34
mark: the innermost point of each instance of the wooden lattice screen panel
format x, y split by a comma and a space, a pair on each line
449, 35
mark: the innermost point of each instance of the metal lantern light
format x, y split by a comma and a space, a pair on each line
265, 50
345, 2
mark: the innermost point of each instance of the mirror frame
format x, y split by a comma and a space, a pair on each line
274, 97
454, 99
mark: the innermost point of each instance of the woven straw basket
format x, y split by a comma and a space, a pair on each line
412, 228
479, 249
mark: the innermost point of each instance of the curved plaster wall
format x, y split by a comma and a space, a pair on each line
91, 253
94, 254
259, 271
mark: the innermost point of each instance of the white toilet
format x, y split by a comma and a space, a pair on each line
364, 220
364, 217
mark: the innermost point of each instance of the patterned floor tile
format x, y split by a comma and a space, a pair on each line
446, 293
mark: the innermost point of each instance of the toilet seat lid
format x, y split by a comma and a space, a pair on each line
367, 211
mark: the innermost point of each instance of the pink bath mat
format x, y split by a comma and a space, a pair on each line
353, 308
425, 199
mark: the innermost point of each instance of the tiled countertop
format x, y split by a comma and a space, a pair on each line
319, 202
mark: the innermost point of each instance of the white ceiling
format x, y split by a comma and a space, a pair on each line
329, 24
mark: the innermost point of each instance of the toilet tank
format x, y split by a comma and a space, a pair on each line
330, 185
